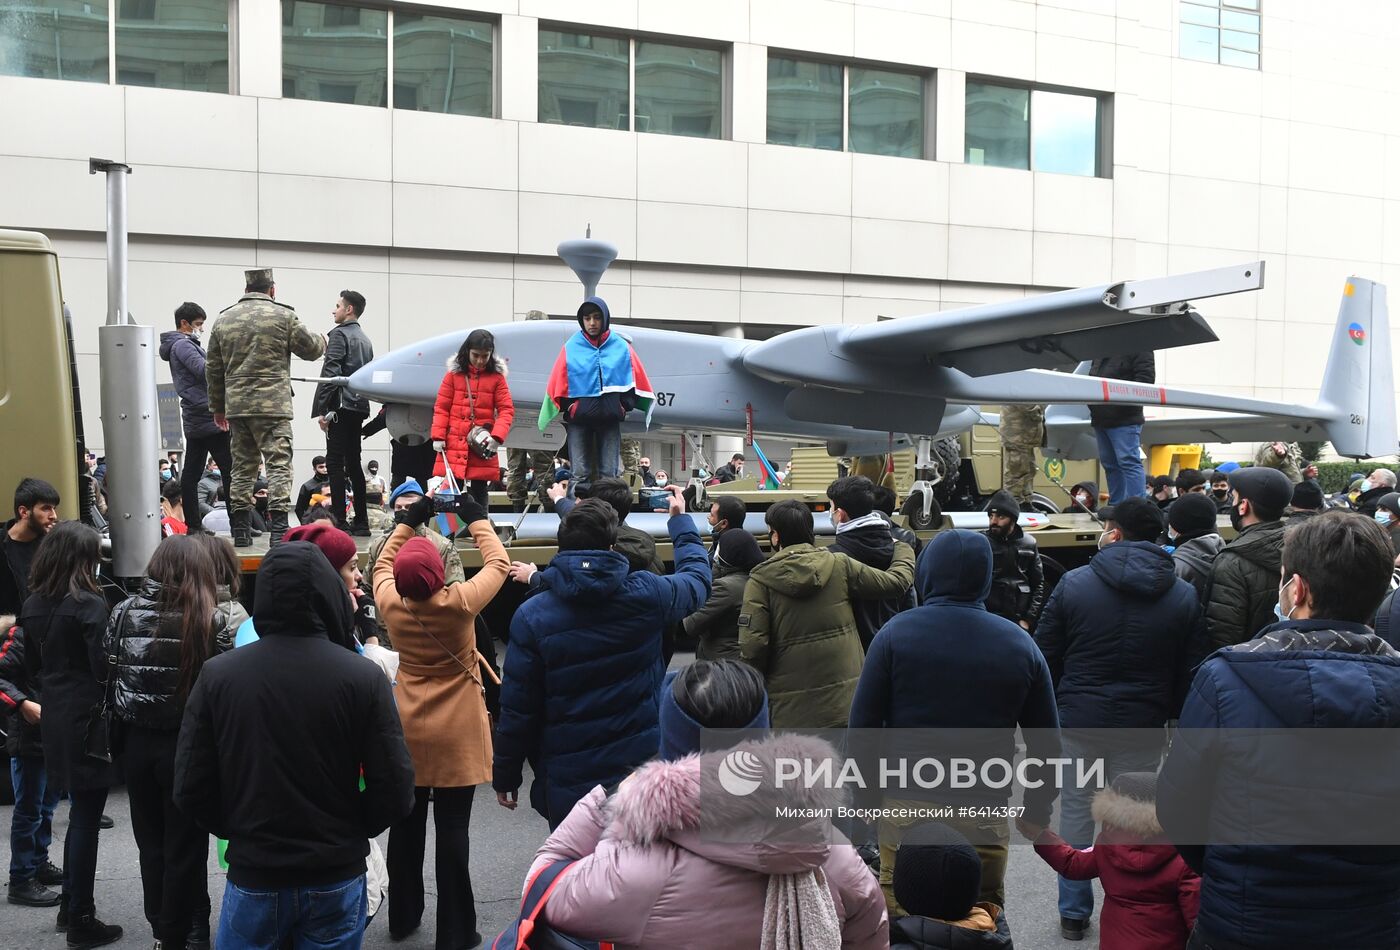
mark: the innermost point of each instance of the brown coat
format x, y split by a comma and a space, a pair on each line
442, 708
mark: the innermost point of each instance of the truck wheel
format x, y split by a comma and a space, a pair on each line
913, 512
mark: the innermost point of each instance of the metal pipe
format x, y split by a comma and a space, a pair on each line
116, 237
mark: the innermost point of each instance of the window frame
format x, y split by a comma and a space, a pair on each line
1254, 8
1103, 121
928, 89
114, 8
726, 71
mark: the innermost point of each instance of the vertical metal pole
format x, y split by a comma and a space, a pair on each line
130, 425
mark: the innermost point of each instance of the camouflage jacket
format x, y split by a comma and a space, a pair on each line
248, 366
1290, 463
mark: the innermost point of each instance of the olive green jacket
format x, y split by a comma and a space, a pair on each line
797, 628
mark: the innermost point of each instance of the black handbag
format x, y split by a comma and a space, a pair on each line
100, 735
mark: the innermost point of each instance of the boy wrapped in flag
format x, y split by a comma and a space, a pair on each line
596, 381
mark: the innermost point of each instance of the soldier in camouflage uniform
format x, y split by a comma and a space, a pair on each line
250, 394
1022, 432
632, 462
1287, 457
518, 464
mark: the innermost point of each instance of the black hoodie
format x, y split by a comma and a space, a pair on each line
276, 734
872, 544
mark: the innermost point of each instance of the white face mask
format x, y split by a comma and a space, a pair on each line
661, 482
1366, 485
1278, 607
835, 522
196, 335
1101, 537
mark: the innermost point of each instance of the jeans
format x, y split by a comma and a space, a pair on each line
456, 904
197, 452
80, 848
326, 917
31, 825
1120, 453
174, 850
343, 460
594, 452
1076, 816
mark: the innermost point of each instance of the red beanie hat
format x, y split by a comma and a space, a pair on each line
418, 572
336, 545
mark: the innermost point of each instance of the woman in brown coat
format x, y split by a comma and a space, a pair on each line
439, 693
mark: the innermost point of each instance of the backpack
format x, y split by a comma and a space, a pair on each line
529, 933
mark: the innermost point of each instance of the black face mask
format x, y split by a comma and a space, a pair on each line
1221, 493
260, 504
1236, 519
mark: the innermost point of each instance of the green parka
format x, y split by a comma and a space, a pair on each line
1244, 585
797, 628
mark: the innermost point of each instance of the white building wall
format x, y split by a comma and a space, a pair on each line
444, 221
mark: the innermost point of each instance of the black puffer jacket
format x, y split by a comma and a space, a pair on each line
1018, 580
1244, 585
1194, 560
147, 649
1134, 367
872, 544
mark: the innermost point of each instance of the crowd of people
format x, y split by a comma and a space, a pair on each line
346, 703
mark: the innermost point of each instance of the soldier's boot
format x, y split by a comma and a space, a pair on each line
276, 527
240, 526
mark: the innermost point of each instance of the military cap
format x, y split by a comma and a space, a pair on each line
258, 274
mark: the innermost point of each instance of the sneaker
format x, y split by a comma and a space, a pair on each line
106, 823
48, 874
86, 931
32, 893
1072, 928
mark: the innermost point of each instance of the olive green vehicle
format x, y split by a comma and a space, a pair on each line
40, 421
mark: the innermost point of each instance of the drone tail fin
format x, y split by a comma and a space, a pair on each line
1358, 385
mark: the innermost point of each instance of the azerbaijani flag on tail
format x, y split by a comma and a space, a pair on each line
584, 369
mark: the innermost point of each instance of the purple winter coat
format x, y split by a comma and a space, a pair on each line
186, 359
673, 860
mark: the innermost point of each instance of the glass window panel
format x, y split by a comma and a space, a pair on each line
804, 103
1230, 57
1240, 41
58, 39
1244, 4
335, 57
998, 126
679, 90
1200, 42
887, 113
173, 45
1248, 22
443, 64
1064, 133
1206, 16
583, 80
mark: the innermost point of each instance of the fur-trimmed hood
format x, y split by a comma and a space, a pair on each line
1132, 828
498, 365
685, 802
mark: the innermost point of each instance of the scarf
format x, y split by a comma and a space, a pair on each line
800, 914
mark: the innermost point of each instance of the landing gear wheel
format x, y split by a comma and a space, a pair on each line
913, 512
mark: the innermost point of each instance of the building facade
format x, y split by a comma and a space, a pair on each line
760, 164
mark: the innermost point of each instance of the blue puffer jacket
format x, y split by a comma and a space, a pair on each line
1230, 786
949, 664
186, 359
580, 686
1122, 635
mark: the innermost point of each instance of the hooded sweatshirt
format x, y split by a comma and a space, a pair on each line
579, 691
1194, 559
949, 664
870, 541
798, 629
1122, 636
657, 858
186, 359
277, 735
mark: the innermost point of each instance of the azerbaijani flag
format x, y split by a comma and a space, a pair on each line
584, 369
770, 474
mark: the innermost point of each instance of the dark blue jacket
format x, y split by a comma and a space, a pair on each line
1122, 635
1222, 786
186, 359
580, 686
949, 664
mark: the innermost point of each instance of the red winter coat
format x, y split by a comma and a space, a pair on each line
453, 418
1150, 895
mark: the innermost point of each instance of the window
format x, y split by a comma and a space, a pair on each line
173, 45
1221, 31
334, 53
65, 39
443, 64
864, 109
1040, 129
679, 90
587, 79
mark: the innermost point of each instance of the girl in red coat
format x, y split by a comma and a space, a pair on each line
473, 393
1150, 895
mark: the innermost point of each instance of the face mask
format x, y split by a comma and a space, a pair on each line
1278, 607
1383, 518
1236, 518
1220, 493
1082, 499
1366, 485
831, 515
661, 482
196, 335
165, 475
1101, 537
